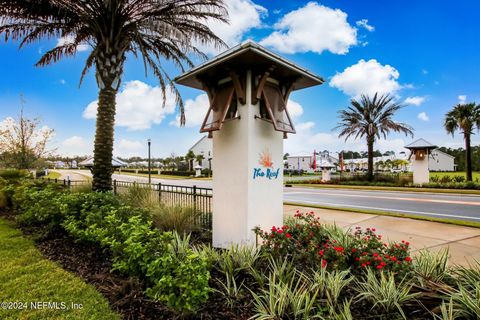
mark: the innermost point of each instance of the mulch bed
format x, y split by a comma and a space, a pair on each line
124, 294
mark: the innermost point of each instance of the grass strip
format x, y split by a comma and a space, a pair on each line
403, 189
462, 223
26, 277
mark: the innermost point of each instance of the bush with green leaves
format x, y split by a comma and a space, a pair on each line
311, 244
38, 205
179, 277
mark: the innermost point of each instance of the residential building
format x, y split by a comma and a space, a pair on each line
203, 147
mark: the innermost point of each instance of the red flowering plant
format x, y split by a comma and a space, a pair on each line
310, 244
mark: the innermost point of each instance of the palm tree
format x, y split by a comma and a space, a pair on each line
199, 158
371, 118
464, 117
152, 29
189, 157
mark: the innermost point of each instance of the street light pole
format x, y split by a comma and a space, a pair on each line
149, 162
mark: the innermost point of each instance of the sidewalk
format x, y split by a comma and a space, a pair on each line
464, 242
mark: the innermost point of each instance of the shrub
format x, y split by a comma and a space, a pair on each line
178, 218
311, 244
445, 179
179, 277
165, 217
38, 205
385, 292
13, 174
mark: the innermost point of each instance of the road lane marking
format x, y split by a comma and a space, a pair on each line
384, 209
390, 198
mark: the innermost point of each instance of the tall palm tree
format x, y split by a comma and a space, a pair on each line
465, 118
153, 29
371, 118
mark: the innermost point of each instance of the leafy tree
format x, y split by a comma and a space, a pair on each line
154, 30
464, 118
371, 118
23, 142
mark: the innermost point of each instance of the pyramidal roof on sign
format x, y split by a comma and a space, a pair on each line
256, 57
420, 144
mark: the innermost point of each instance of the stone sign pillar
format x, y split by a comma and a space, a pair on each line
248, 89
420, 152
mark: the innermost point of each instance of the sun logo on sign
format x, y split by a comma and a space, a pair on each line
266, 159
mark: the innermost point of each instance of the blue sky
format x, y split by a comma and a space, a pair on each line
426, 53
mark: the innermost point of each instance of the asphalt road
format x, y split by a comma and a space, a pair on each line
452, 206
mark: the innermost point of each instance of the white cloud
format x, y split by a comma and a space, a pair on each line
243, 16
196, 109
69, 39
76, 146
307, 139
462, 99
367, 77
364, 24
63, 82
139, 105
313, 28
129, 148
423, 116
416, 101
295, 109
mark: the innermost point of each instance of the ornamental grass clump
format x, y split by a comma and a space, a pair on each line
311, 244
385, 292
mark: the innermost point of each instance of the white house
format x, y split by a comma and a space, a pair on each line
204, 146
441, 161
304, 161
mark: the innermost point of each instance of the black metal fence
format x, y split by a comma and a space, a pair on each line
199, 199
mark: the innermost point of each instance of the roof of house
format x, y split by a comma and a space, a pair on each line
420, 143
256, 56
89, 163
444, 153
198, 142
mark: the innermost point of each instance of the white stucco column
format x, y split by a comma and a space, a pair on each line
248, 176
421, 172
326, 175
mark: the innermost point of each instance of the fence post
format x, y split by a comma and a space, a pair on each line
159, 192
195, 198
115, 186
69, 185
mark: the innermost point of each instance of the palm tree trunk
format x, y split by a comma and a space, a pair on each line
468, 157
370, 142
103, 149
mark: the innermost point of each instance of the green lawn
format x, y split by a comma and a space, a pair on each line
52, 175
476, 175
27, 277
